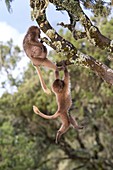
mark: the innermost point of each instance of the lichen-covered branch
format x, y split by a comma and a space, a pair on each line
70, 52
99, 68
57, 42
76, 34
92, 32
100, 146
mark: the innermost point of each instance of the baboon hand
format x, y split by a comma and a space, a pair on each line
47, 91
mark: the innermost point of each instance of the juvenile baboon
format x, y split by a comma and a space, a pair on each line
61, 88
37, 52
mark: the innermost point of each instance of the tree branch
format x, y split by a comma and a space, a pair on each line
69, 51
92, 32
100, 146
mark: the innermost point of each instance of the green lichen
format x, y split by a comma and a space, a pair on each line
92, 29
72, 52
80, 60
51, 33
38, 6
93, 41
83, 19
35, 5
58, 46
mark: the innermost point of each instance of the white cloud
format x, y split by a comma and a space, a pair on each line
7, 32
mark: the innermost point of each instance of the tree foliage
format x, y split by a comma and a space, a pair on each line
8, 4
10, 57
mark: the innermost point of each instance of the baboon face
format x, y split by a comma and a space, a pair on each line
34, 30
58, 85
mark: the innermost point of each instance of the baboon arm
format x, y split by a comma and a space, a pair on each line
49, 64
66, 79
44, 87
36, 43
66, 76
37, 111
56, 74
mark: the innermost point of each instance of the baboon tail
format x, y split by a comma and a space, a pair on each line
37, 111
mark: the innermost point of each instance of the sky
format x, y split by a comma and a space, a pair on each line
14, 25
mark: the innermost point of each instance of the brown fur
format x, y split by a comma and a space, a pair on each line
61, 88
37, 52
